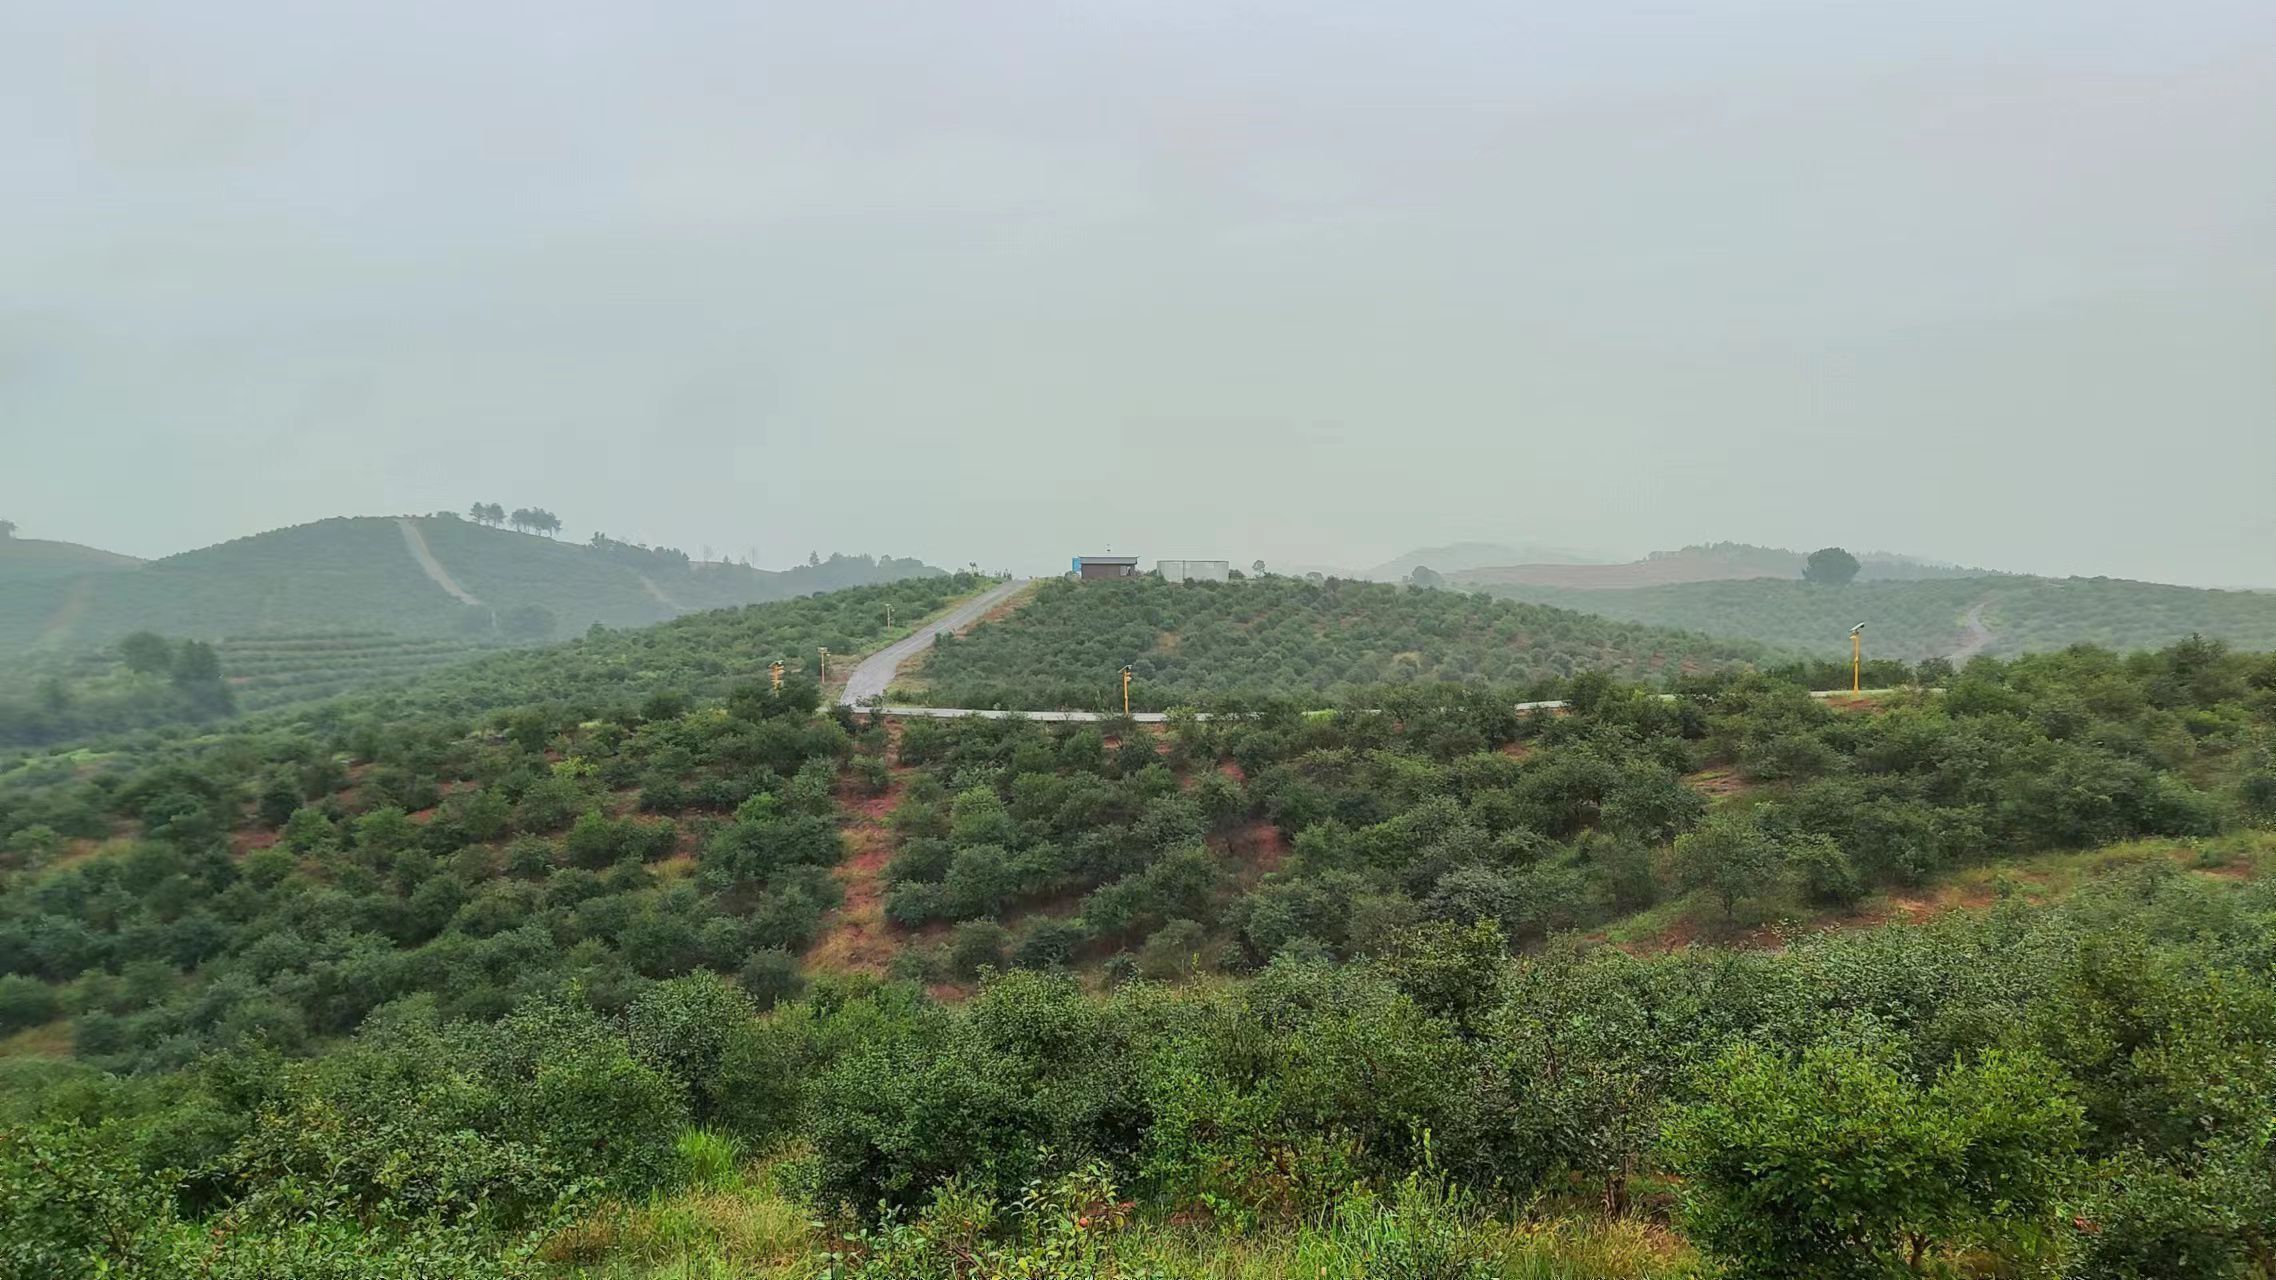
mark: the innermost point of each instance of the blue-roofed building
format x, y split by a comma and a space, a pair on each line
1088, 567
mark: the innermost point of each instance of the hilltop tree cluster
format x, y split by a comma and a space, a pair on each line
641, 555
521, 519
1830, 566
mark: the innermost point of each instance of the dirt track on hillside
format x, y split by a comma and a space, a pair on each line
416, 542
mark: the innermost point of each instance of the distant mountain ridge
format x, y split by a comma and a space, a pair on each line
1458, 556
1706, 562
367, 573
1949, 616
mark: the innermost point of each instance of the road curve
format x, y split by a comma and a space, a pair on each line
875, 674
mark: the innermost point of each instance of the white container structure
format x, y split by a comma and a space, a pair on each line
1193, 570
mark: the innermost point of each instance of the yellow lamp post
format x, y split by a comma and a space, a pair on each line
774, 672
1857, 659
824, 650
1126, 691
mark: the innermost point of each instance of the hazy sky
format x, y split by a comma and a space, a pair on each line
1317, 281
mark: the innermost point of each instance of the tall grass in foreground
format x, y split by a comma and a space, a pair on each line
1078, 1229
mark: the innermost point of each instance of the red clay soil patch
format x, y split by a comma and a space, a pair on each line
1912, 910
244, 842
687, 839
1259, 847
1979, 898
1718, 783
77, 849
1233, 771
857, 938
1675, 937
2235, 871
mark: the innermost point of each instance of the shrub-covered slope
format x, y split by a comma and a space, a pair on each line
496, 979
1192, 642
1927, 618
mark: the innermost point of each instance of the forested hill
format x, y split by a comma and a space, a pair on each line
1285, 637
428, 575
1931, 618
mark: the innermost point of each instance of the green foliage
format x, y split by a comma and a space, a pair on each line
1190, 643
26, 1002
146, 653
682, 1028
1830, 566
977, 946
1064, 1229
709, 1159
1731, 859
1834, 1163
73, 1205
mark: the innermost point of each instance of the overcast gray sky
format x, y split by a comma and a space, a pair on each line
1317, 281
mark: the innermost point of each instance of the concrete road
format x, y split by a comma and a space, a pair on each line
875, 674
1156, 717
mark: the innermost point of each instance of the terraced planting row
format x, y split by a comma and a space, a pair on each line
270, 670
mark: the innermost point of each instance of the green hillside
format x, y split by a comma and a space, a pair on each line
1190, 642
364, 574
274, 669
36, 559
1927, 618
48, 698
559, 965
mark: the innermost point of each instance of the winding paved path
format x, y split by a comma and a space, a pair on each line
875, 674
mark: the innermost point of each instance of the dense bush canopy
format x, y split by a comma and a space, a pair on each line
419, 983
1190, 643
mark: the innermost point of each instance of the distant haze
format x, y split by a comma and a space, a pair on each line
1981, 280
